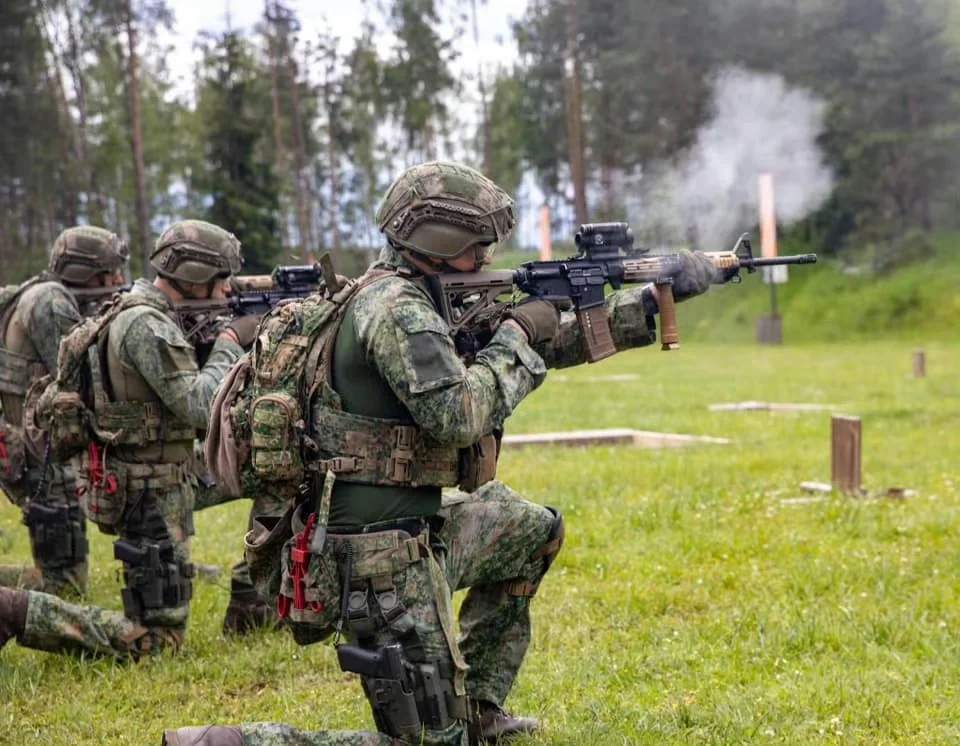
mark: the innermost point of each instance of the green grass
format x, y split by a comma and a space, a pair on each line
694, 602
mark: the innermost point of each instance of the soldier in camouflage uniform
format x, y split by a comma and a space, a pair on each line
148, 390
408, 418
84, 263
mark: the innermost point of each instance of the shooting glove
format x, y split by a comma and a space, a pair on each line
696, 275
245, 328
539, 319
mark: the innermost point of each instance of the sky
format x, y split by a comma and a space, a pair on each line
344, 18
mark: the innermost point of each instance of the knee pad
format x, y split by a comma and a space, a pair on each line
548, 552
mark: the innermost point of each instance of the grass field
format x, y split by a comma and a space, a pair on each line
695, 601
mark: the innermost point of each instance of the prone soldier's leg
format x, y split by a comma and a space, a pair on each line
499, 546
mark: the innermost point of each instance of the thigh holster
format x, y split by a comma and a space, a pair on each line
57, 532
153, 578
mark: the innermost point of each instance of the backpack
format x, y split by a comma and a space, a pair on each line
14, 379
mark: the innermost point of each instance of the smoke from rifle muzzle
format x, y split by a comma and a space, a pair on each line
709, 194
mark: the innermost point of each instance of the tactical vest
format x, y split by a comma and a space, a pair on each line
86, 415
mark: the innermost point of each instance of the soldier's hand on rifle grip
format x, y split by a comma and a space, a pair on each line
539, 319
243, 330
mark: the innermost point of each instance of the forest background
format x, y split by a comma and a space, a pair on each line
650, 110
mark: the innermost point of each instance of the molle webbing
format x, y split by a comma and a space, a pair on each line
132, 423
386, 452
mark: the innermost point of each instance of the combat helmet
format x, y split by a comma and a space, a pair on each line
441, 209
196, 251
81, 253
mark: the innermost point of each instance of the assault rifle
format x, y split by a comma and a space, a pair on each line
468, 301
201, 320
90, 300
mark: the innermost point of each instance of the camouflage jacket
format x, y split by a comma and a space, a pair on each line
146, 347
405, 339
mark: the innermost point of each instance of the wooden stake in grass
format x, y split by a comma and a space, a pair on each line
919, 364
845, 454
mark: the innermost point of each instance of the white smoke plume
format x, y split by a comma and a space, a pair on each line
710, 194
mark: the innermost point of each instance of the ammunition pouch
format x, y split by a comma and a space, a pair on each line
69, 432
57, 533
153, 578
478, 463
276, 427
405, 696
383, 452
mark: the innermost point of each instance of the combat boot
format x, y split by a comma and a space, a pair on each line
247, 611
204, 735
13, 614
490, 724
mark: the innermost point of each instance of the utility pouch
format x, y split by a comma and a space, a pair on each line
68, 424
263, 546
310, 585
102, 485
13, 457
57, 532
478, 463
276, 427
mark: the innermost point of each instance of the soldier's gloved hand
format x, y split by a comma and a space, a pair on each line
244, 329
696, 275
539, 319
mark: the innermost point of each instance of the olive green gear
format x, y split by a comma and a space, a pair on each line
441, 209
196, 251
81, 253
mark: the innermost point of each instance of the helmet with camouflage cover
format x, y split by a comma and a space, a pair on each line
81, 253
441, 209
196, 251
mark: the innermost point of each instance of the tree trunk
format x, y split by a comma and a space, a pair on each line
574, 108
299, 161
136, 141
278, 148
481, 84
334, 185
96, 204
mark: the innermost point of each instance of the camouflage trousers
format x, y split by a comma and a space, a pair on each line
155, 518
491, 544
58, 534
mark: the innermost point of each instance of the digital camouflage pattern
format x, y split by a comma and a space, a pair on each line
409, 344
83, 252
149, 354
441, 209
488, 539
43, 315
196, 251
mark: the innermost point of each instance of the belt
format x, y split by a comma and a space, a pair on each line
411, 526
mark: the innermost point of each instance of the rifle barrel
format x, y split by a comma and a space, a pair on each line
774, 261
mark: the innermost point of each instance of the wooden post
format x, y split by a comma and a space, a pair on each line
845, 454
546, 254
919, 364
